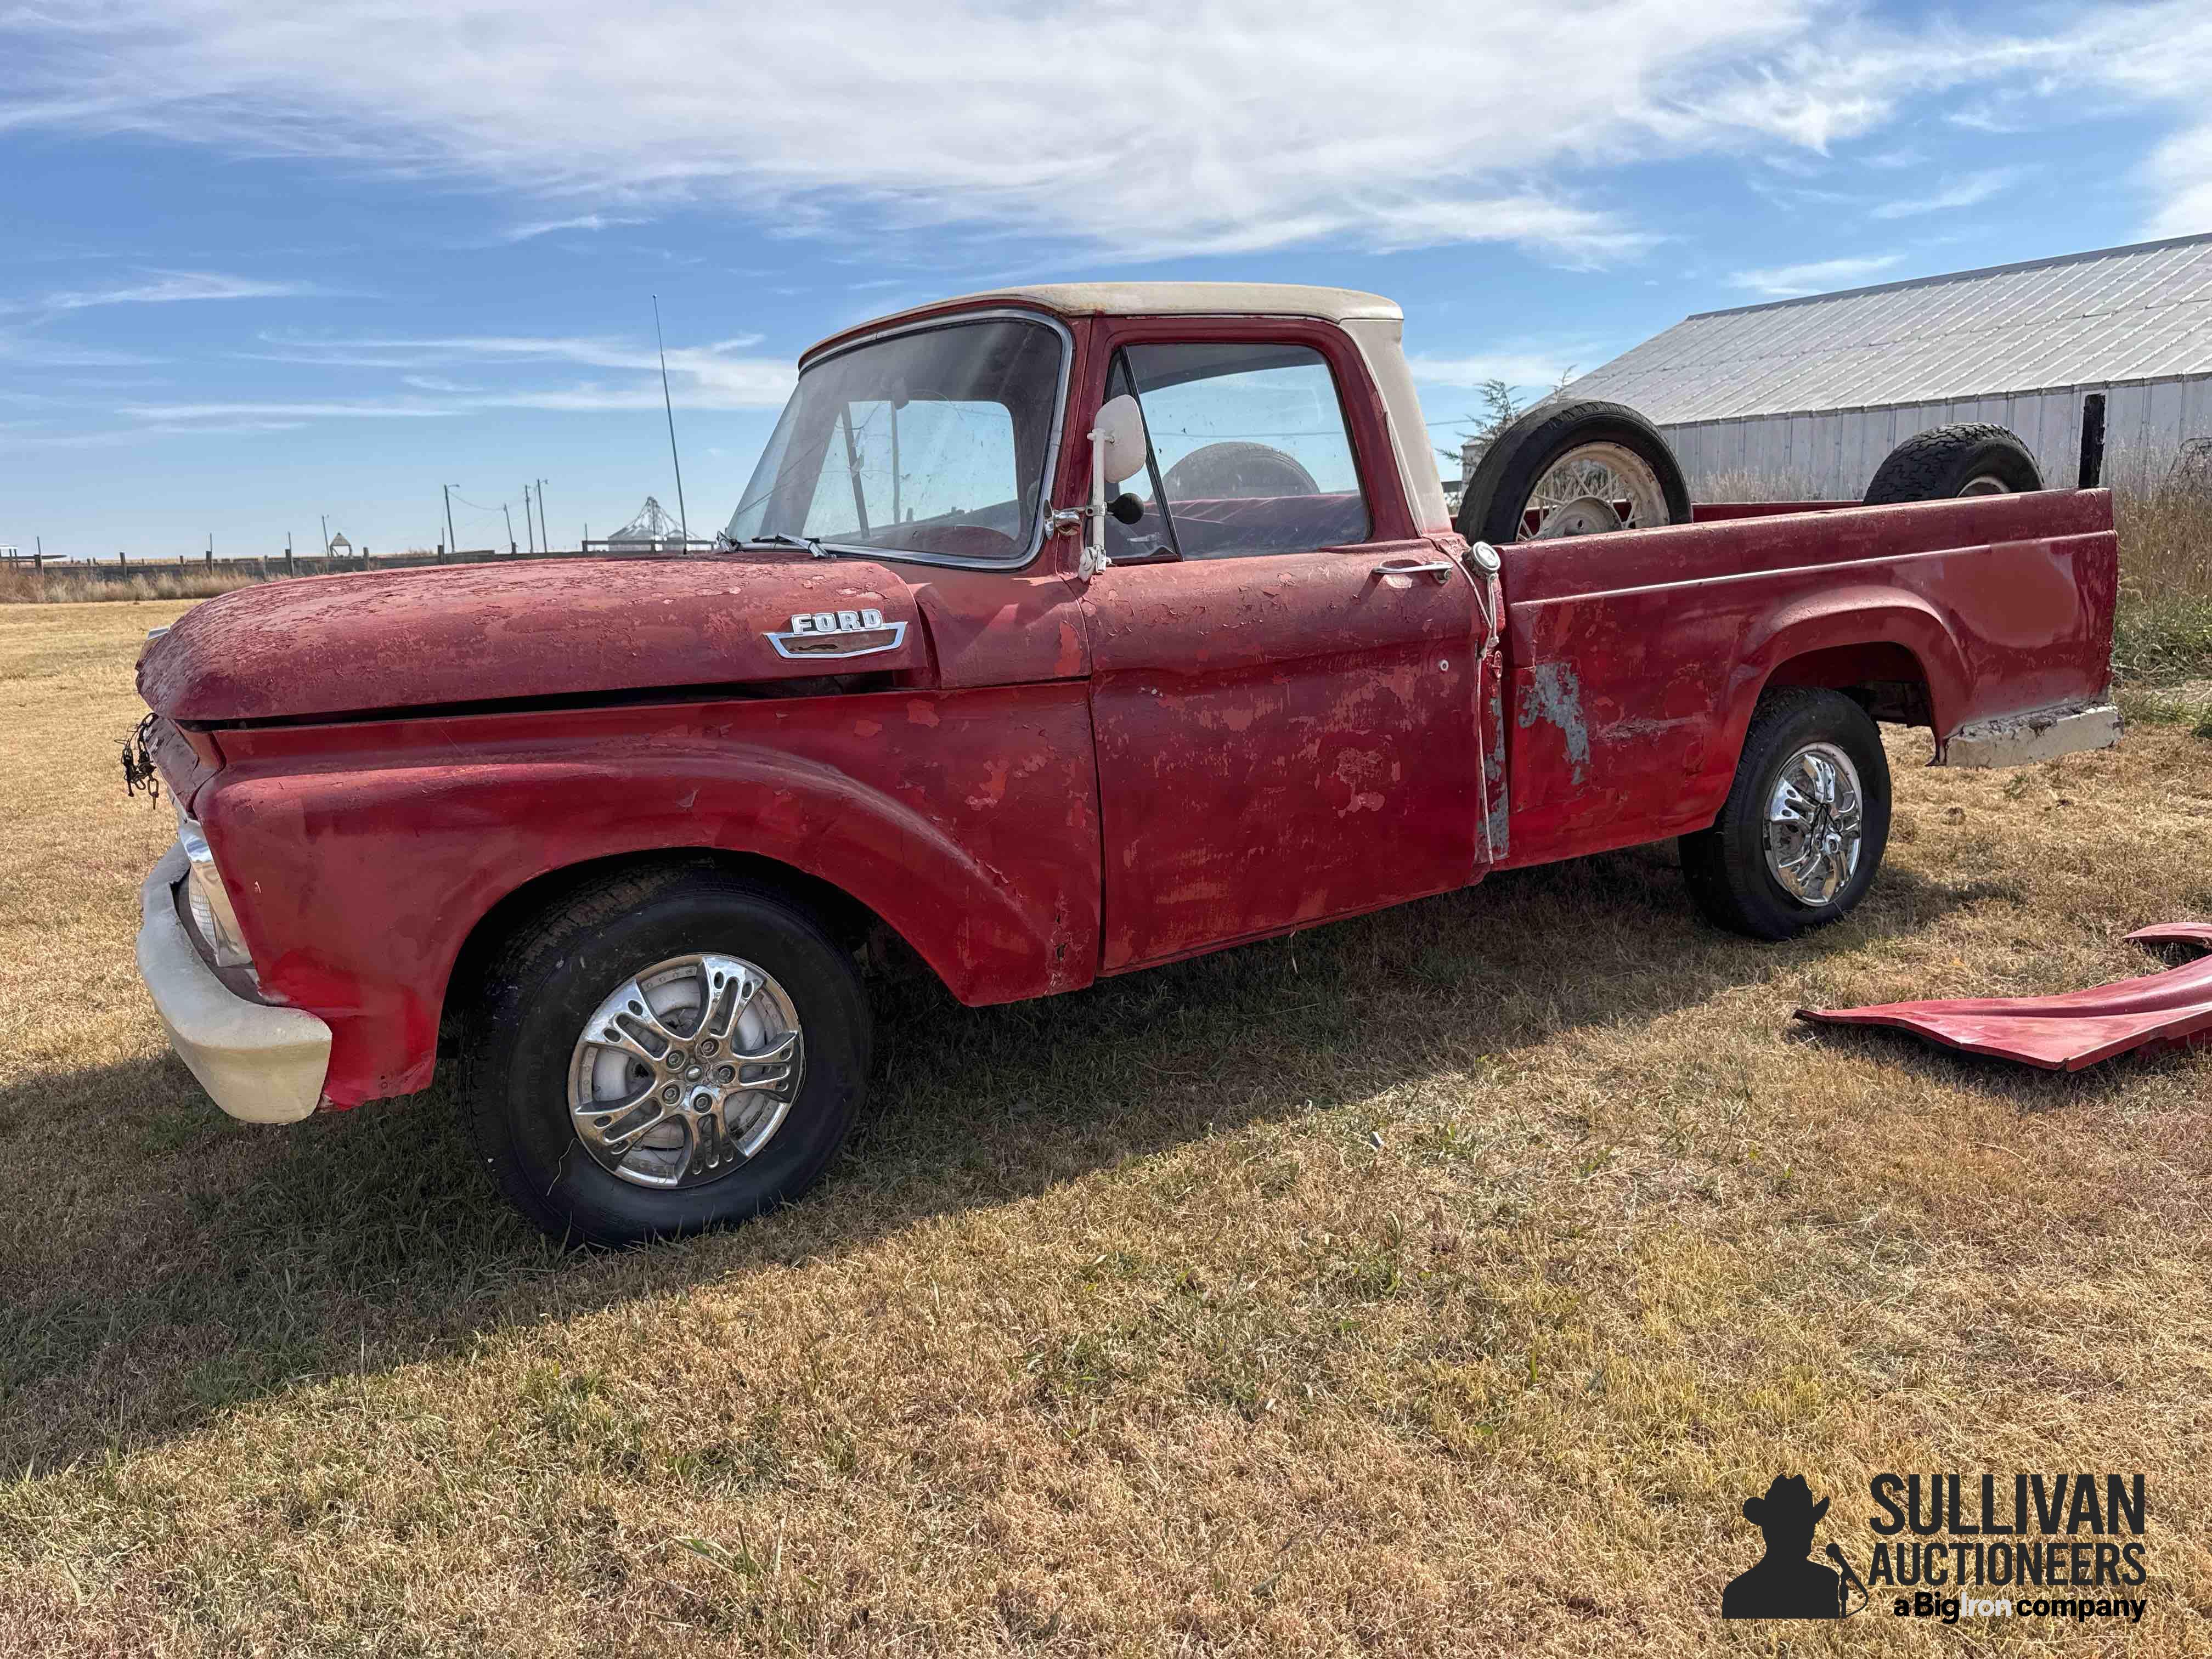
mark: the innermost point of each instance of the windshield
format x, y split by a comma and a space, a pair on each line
931, 442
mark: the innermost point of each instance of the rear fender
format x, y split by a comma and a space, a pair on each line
1830, 622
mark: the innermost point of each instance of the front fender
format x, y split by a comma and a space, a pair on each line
968, 822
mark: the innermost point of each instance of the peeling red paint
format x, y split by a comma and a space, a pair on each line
2070, 1030
1243, 732
1999, 603
532, 629
376, 849
1051, 777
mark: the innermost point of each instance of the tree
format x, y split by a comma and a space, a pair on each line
1499, 404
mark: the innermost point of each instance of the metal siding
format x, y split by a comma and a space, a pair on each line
2196, 407
2165, 417
1833, 456
2127, 439
2118, 315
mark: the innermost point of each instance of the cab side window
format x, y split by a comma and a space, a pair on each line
1250, 454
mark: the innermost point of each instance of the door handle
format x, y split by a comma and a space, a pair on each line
1440, 568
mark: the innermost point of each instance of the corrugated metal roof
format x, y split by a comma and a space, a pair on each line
2122, 313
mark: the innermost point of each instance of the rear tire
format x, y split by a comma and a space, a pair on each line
545, 998
1969, 458
1738, 870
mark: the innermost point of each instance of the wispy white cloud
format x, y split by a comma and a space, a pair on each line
719, 375
2183, 167
1968, 190
1818, 276
524, 233
218, 428
1253, 124
165, 288
174, 413
1516, 368
30, 351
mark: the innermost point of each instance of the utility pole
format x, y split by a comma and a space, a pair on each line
668, 403
543, 534
326, 534
529, 529
504, 507
452, 546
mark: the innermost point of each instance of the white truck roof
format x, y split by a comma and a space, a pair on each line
1337, 305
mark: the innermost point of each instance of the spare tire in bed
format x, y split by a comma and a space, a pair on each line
1571, 469
1972, 457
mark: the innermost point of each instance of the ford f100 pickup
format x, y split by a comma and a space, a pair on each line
1061, 631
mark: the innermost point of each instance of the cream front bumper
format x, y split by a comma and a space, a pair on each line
260, 1064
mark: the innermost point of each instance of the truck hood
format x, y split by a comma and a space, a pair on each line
326, 646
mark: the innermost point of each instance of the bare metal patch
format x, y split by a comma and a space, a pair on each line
1555, 696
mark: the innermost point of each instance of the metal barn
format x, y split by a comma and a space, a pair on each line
1809, 395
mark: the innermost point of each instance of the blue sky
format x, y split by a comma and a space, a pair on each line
262, 262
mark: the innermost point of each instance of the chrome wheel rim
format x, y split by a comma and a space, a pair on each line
1591, 488
1986, 484
1815, 818
686, 1072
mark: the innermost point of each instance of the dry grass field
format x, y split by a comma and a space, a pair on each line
63, 586
1436, 1283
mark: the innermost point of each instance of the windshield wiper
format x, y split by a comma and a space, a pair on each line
811, 543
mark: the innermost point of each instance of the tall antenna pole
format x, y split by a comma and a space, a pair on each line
452, 546
669, 404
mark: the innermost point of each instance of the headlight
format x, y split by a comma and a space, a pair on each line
210, 903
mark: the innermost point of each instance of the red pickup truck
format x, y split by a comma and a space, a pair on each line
1061, 631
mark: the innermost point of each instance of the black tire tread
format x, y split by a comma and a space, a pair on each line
1728, 888
1518, 457
1933, 466
516, 962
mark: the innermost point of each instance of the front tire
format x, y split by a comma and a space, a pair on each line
1802, 835
668, 1050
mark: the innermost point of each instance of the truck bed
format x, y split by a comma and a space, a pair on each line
1635, 658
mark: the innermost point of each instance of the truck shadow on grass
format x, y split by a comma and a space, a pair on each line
196, 1265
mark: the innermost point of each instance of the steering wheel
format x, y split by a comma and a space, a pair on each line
1235, 469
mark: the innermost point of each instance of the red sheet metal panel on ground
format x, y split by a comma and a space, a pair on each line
2075, 1029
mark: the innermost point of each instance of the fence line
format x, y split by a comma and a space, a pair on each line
277, 566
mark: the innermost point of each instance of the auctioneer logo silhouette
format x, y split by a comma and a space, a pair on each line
1783, 1583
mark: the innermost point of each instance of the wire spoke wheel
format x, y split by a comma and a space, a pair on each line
684, 1073
1592, 489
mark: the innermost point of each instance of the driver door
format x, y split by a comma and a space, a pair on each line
1284, 677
